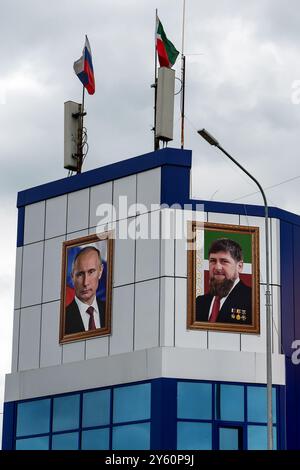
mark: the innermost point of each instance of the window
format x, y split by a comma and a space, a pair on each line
194, 400
34, 443
65, 441
257, 404
33, 417
258, 438
95, 439
66, 413
137, 400
230, 406
131, 437
192, 436
230, 438
96, 408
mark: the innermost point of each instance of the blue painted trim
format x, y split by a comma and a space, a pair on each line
167, 156
175, 185
20, 228
9, 422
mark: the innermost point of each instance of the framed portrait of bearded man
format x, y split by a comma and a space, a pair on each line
223, 277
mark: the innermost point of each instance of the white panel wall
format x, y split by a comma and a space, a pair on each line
148, 188
149, 280
146, 322
126, 189
121, 340
29, 345
15, 341
167, 311
18, 276
32, 273
101, 194
52, 269
78, 210
56, 213
51, 351
34, 222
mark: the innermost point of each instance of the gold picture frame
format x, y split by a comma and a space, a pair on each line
239, 310
73, 324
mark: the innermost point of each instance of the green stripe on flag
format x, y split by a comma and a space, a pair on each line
171, 50
244, 239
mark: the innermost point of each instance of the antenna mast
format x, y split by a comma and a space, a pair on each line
182, 77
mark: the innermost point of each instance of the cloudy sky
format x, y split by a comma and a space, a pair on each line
242, 84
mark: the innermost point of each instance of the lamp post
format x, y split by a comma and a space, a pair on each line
212, 141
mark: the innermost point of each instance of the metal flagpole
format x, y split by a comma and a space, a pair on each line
80, 137
182, 77
156, 141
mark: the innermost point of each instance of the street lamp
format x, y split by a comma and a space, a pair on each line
212, 141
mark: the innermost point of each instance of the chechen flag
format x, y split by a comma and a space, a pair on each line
83, 68
167, 53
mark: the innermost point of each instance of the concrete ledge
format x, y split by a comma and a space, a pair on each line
143, 365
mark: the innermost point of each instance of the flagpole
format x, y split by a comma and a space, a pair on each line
182, 77
80, 137
156, 141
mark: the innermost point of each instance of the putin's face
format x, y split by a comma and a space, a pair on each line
86, 274
223, 271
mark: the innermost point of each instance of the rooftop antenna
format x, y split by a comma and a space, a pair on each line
182, 76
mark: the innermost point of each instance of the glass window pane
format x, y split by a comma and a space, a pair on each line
229, 439
132, 403
131, 437
232, 403
33, 417
33, 443
194, 400
257, 404
96, 439
193, 436
258, 438
96, 408
66, 413
66, 441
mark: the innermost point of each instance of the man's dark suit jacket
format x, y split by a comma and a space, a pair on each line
236, 309
74, 323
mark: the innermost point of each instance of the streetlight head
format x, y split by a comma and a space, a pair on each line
208, 137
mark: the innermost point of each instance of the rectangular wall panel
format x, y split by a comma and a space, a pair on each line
29, 343
121, 340
51, 350
34, 222
78, 210
146, 333
32, 274
56, 214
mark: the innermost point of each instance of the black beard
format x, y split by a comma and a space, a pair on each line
220, 289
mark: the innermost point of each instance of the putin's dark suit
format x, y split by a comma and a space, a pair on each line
74, 323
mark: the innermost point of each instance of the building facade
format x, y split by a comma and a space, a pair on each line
152, 382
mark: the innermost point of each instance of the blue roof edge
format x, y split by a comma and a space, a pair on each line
148, 161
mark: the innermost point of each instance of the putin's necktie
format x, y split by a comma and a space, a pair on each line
92, 325
215, 310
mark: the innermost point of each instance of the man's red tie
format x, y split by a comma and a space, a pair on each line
215, 310
92, 325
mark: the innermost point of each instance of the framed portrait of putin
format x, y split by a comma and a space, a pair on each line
223, 277
86, 287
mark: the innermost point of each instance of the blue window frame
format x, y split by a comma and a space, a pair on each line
183, 413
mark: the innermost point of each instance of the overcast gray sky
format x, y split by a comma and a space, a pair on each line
243, 60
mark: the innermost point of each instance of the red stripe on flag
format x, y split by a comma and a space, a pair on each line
162, 54
90, 86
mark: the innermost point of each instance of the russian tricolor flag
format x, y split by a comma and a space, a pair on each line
83, 68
